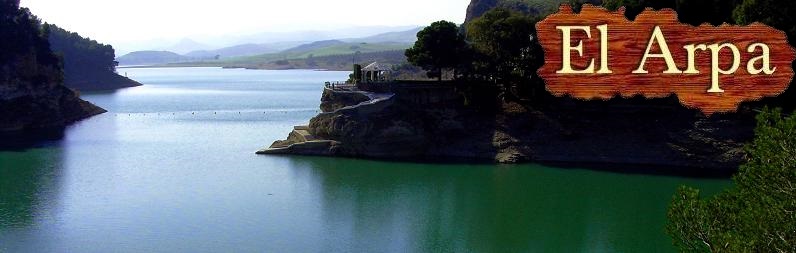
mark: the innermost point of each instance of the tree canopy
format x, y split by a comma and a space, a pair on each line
80, 54
506, 51
438, 47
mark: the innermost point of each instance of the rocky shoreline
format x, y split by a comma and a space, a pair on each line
627, 132
46, 109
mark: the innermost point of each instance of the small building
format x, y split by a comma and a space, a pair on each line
376, 72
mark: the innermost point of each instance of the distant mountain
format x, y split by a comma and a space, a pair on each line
408, 36
316, 35
399, 37
248, 54
151, 58
187, 45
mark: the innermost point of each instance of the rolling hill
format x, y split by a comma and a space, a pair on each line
151, 58
408, 36
234, 51
318, 49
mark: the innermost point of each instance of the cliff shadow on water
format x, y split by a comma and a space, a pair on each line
19, 141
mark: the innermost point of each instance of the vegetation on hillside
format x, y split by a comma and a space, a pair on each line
80, 54
759, 213
88, 64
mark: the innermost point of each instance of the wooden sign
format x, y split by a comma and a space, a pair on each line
598, 54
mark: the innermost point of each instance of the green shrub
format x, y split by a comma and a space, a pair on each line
759, 213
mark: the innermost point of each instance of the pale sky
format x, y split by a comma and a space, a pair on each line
129, 21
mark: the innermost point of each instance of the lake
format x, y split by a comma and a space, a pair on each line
171, 168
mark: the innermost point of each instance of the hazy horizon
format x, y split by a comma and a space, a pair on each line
158, 25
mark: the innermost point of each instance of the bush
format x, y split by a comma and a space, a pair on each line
759, 213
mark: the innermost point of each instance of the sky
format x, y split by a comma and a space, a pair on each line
127, 22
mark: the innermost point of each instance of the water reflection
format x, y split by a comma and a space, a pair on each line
27, 180
483, 208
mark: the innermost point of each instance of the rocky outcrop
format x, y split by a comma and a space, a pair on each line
42, 109
300, 141
628, 132
331, 101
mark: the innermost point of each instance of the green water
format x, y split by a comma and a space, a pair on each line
171, 168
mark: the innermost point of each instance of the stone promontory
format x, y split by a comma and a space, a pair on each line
443, 123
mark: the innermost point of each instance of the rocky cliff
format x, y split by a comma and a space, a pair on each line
32, 95
622, 132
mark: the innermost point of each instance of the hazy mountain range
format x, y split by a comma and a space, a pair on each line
188, 50
211, 42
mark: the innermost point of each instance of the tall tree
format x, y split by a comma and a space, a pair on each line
438, 47
506, 49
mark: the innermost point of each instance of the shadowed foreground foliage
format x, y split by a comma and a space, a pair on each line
759, 213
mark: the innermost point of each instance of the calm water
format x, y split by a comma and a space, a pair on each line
171, 168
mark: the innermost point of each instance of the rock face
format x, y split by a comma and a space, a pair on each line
478, 8
331, 101
630, 132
